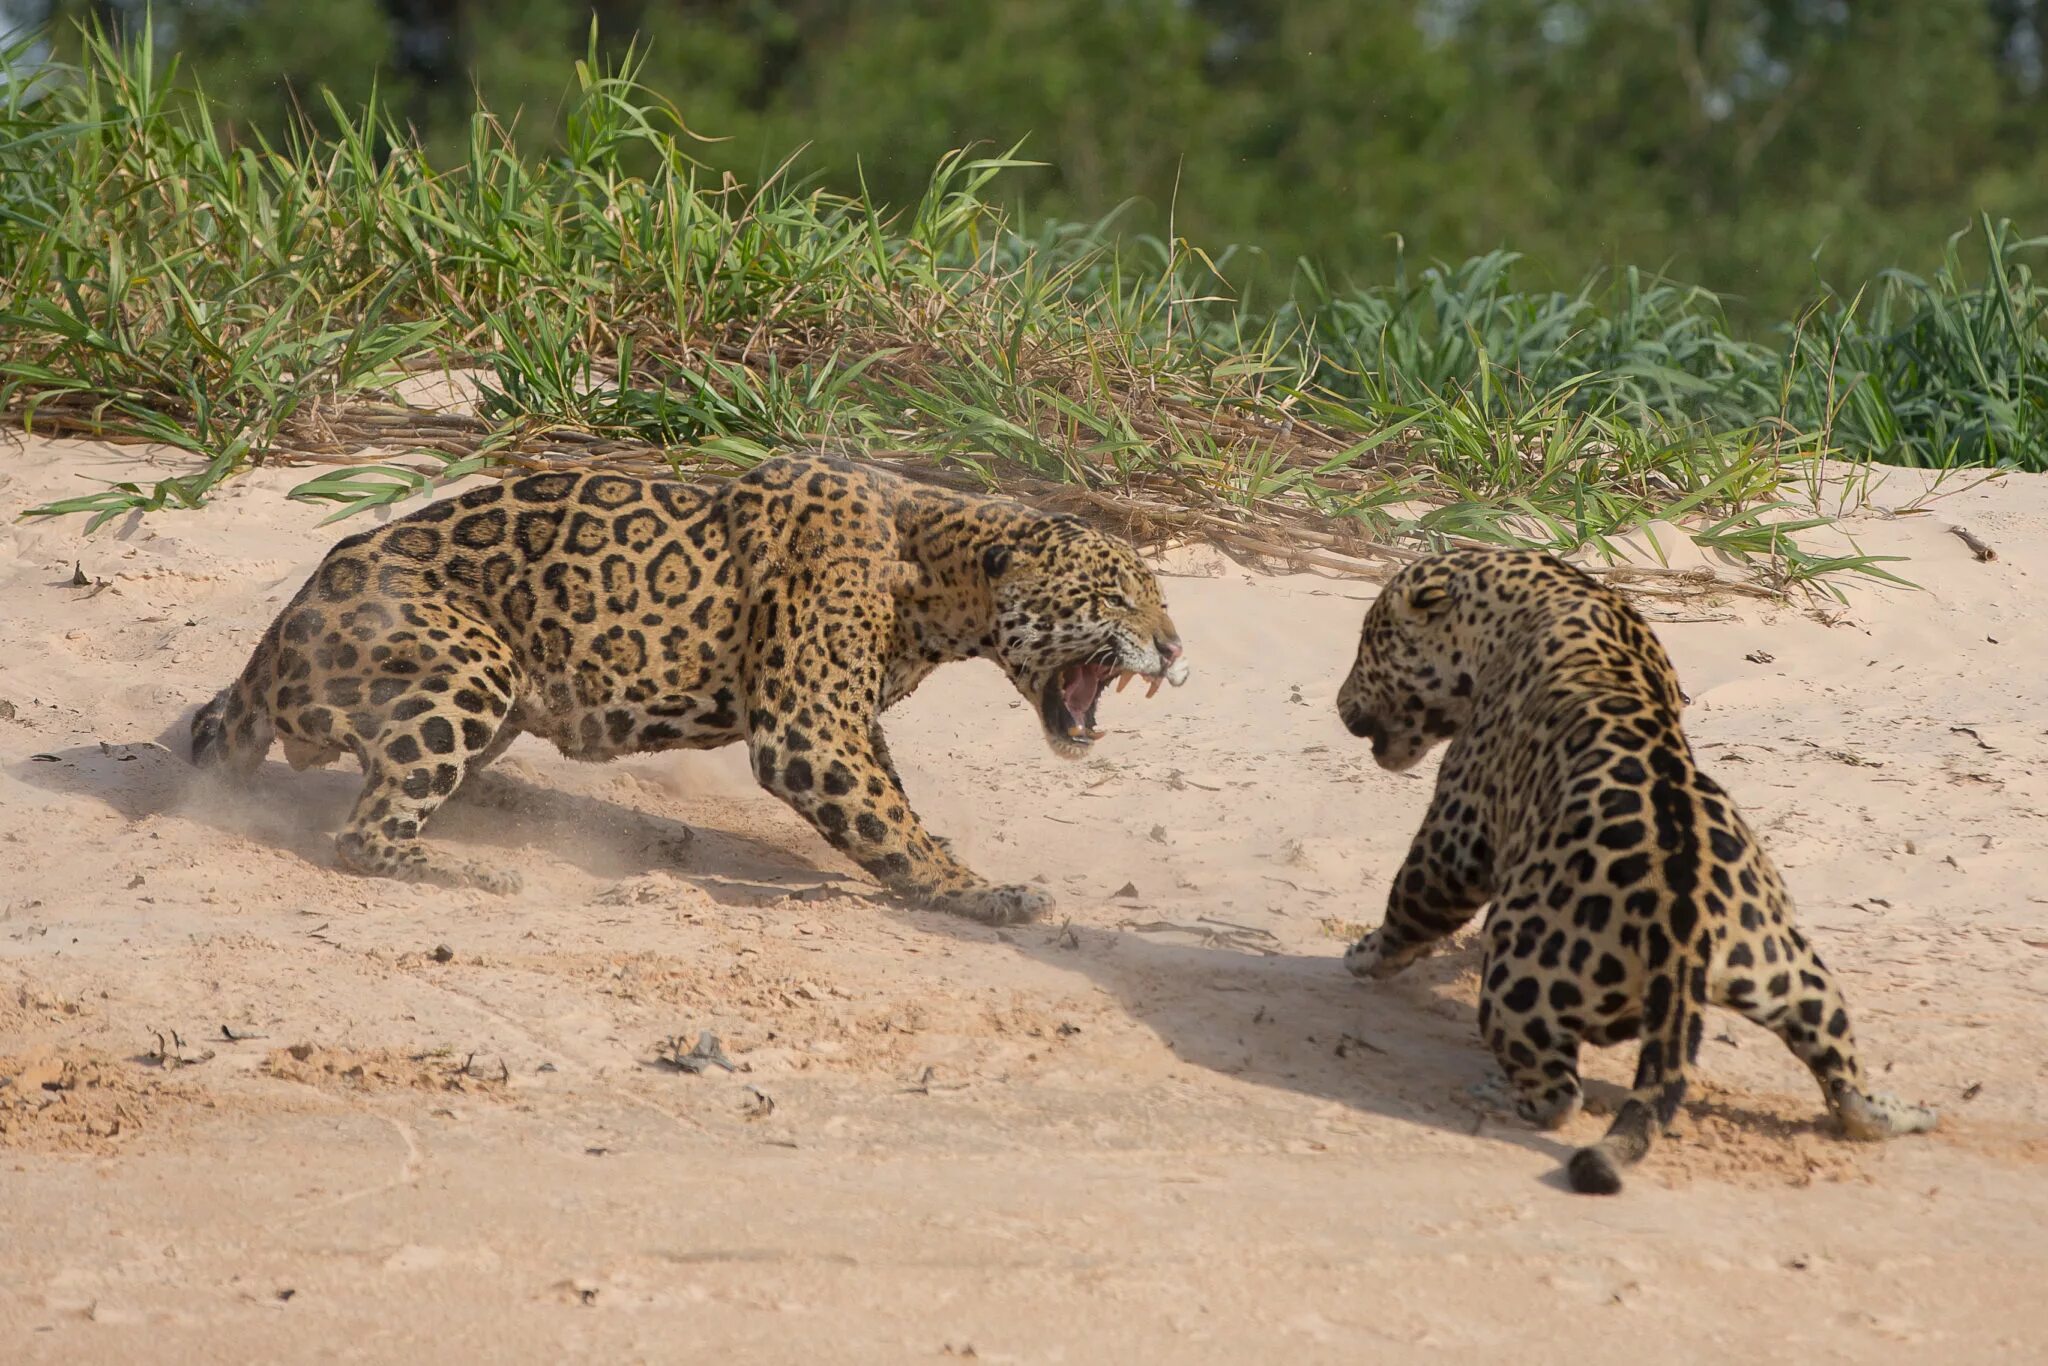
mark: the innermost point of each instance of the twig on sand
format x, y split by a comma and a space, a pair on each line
173, 1053
1984, 553
707, 1053
1237, 937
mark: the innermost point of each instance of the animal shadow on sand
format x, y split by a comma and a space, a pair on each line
300, 813
1406, 1049
1299, 1023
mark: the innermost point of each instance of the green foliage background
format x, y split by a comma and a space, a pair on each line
1756, 147
245, 281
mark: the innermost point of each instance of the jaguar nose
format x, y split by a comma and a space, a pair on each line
1169, 650
1360, 722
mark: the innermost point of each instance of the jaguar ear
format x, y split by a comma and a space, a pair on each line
1425, 601
995, 560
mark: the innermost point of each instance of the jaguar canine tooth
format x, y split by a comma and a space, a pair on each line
1157, 679
1123, 680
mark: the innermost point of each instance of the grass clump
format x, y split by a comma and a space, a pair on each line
1942, 372
247, 302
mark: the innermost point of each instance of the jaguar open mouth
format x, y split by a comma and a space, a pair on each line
1071, 694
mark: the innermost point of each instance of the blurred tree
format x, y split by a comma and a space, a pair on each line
1725, 140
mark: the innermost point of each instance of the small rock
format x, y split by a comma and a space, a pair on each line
1128, 890
443, 954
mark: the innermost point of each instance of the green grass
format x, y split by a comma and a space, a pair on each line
1945, 372
249, 303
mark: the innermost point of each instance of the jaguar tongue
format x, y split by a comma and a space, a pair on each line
1079, 691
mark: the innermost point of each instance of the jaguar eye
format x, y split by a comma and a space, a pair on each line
1116, 602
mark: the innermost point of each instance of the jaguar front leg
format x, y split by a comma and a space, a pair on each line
819, 749
824, 766
881, 744
1446, 877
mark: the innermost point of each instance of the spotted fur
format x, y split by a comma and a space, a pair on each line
1627, 892
787, 608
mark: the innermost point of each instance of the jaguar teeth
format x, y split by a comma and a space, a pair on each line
1080, 687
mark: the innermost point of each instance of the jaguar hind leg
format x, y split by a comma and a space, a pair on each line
1796, 997
382, 835
418, 738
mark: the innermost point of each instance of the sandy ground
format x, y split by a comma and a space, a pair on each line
254, 1108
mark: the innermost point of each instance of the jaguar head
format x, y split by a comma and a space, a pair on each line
1077, 613
1411, 684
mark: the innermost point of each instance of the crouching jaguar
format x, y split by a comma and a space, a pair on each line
787, 608
1627, 892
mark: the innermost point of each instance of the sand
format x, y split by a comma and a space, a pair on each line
256, 1108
